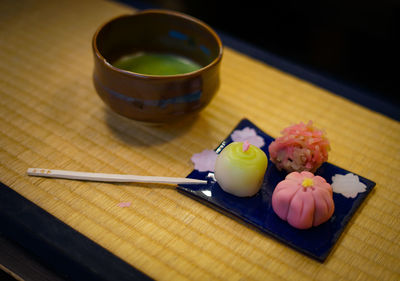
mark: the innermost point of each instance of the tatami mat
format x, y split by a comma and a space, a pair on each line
51, 117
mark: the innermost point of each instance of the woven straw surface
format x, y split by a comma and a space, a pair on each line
51, 117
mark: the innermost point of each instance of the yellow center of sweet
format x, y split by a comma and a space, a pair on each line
307, 182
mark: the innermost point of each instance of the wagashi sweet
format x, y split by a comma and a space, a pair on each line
302, 147
303, 200
240, 168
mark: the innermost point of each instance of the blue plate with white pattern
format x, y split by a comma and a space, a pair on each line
256, 211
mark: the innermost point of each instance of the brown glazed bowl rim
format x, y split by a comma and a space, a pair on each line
156, 77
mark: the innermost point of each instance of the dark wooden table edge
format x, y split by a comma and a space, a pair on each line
56, 245
340, 88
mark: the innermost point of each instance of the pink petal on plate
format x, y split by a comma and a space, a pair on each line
248, 134
124, 204
205, 160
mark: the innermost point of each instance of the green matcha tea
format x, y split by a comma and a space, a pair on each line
156, 64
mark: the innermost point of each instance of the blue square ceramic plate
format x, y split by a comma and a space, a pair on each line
257, 211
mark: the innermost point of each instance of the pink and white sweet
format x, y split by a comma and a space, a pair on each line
302, 147
303, 200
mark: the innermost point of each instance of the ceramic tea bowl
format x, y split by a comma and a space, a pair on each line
148, 97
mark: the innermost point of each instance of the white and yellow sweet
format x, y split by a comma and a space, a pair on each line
240, 169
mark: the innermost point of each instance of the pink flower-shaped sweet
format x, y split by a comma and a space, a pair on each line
248, 134
205, 160
303, 200
302, 147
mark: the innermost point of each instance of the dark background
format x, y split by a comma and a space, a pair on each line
352, 42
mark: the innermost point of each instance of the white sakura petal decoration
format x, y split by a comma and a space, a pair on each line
205, 160
348, 185
248, 134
